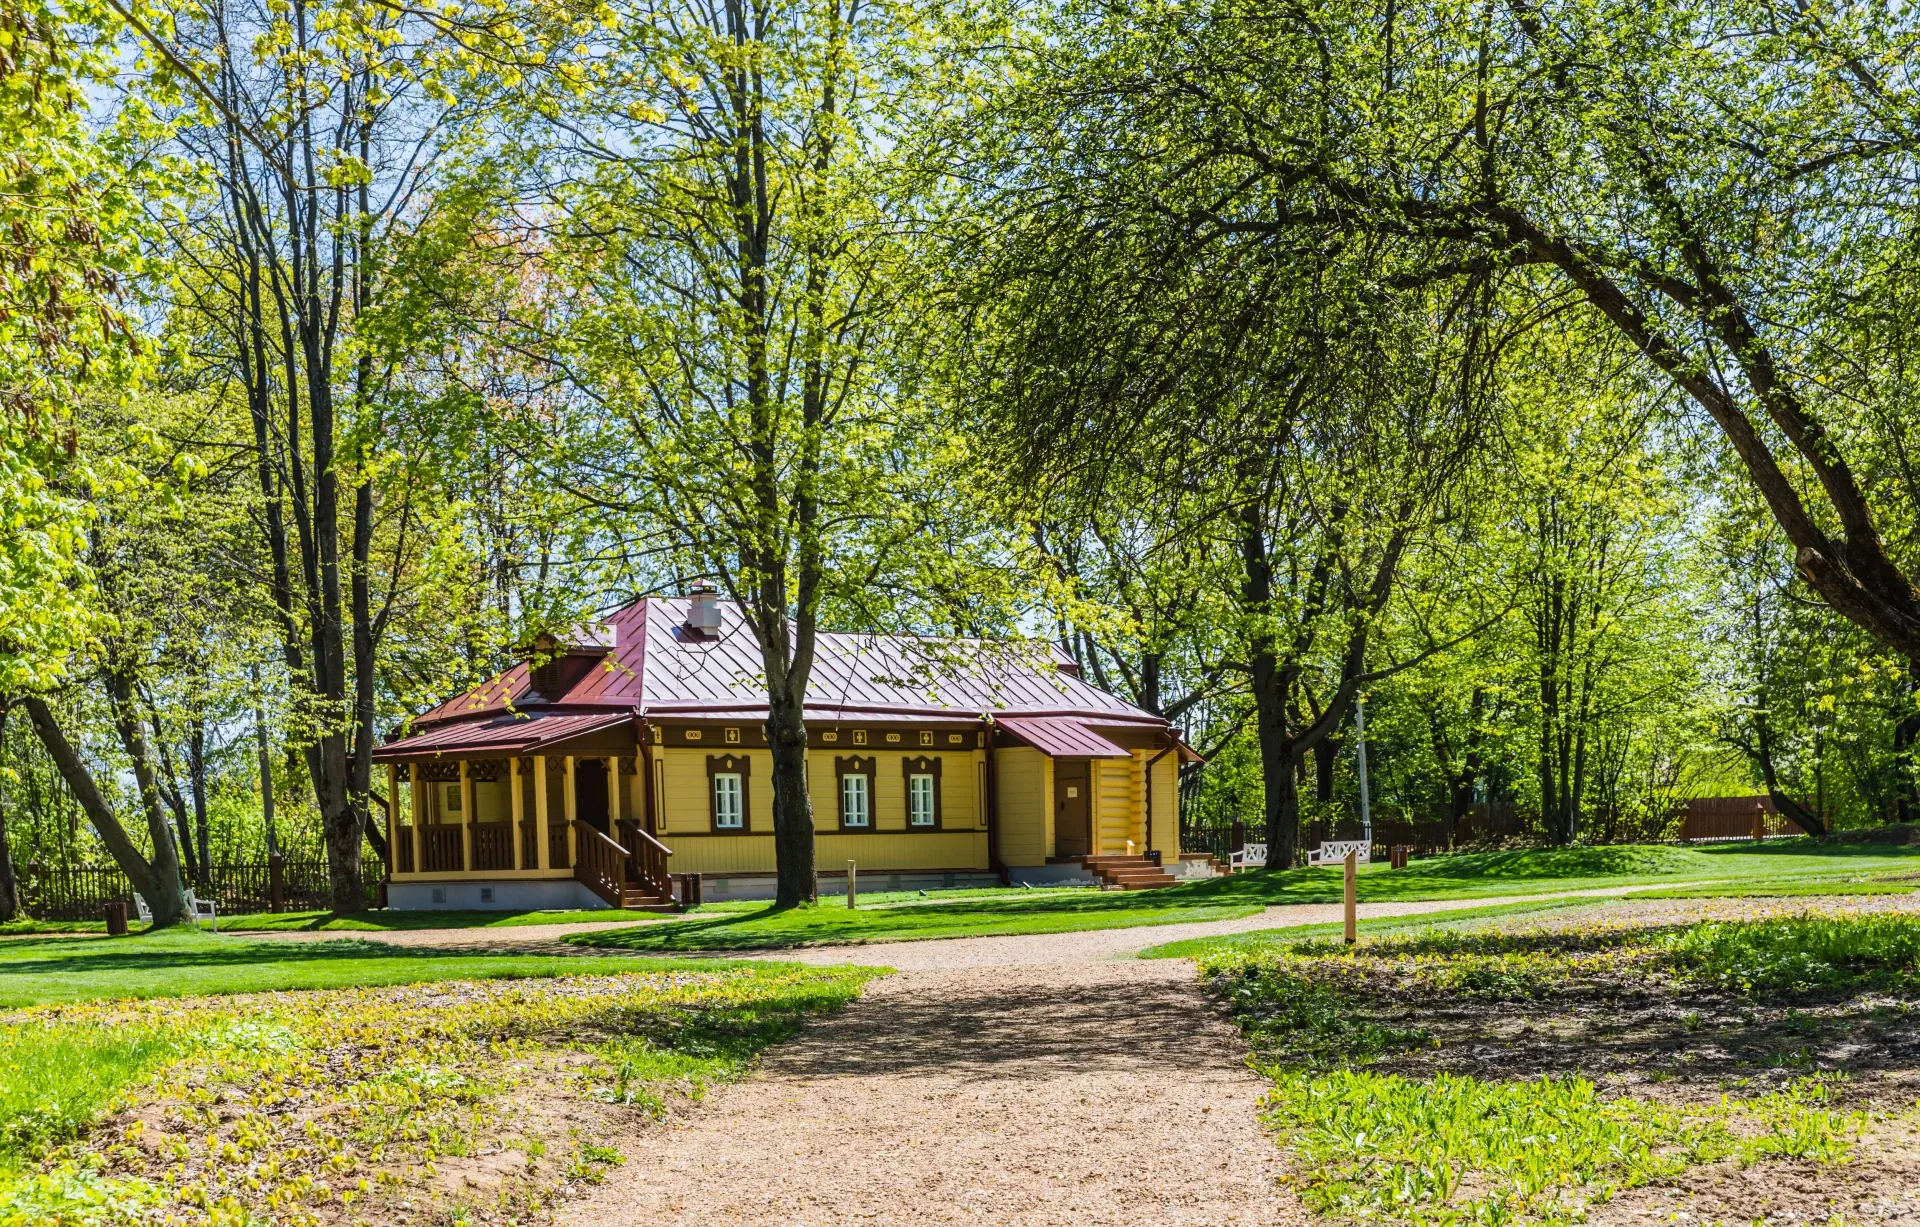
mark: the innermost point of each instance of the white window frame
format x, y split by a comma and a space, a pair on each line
923, 787
849, 790
724, 800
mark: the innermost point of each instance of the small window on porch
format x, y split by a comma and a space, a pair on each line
728, 812
453, 798
855, 807
920, 812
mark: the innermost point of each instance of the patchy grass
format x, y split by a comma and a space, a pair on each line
55, 1080
1803, 955
184, 963
1628, 1057
1462, 1149
464, 1101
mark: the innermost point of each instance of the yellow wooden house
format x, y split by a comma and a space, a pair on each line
636, 755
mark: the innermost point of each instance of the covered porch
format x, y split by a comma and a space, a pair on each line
477, 815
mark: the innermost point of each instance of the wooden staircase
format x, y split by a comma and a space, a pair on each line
1127, 872
641, 899
631, 875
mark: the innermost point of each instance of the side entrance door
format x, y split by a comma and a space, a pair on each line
1072, 813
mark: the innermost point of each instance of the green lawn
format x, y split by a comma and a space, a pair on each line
1200, 947
183, 963
1478, 875
762, 928
1469, 875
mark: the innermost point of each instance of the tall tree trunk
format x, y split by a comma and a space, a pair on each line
1906, 735
792, 809
9, 885
158, 880
1808, 821
197, 782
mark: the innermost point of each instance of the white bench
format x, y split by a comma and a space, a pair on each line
198, 909
1252, 856
1334, 852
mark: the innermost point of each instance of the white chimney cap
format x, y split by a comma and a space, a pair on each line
703, 608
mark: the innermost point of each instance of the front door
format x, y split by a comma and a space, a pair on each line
1072, 815
590, 793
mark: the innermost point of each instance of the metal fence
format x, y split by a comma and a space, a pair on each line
80, 892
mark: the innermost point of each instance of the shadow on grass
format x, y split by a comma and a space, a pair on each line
78, 955
770, 928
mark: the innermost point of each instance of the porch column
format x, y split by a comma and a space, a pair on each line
616, 796
393, 819
415, 800
519, 811
466, 817
573, 838
541, 855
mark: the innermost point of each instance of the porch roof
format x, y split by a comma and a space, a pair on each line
1061, 737
520, 733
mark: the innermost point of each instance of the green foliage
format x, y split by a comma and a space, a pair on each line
1455, 1148
1462, 1150
55, 1079
1804, 955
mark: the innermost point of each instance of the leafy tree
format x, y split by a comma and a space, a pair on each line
729, 299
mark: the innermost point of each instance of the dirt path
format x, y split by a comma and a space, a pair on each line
1034, 1081
1106, 1093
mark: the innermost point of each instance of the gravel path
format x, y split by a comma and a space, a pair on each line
1037, 1080
1106, 1093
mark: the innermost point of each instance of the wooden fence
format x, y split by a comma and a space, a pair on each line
1484, 824
1711, 819
80, 892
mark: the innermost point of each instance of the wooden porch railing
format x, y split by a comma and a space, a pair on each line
603, 864
441, 849
529, 843
493, 845
403, 849
646, 860
557, 844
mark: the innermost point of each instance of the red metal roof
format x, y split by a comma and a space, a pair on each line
504, 735
1060, 737
656, 669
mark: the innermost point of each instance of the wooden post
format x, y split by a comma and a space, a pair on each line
417, 809
1759, 823
540, 819
518, 801
393, 818
466, 817
616, 804
276, 883
1239, 836
853, 892
1351, 906
567, 805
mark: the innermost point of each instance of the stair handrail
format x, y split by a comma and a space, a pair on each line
649, 858
600, 863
